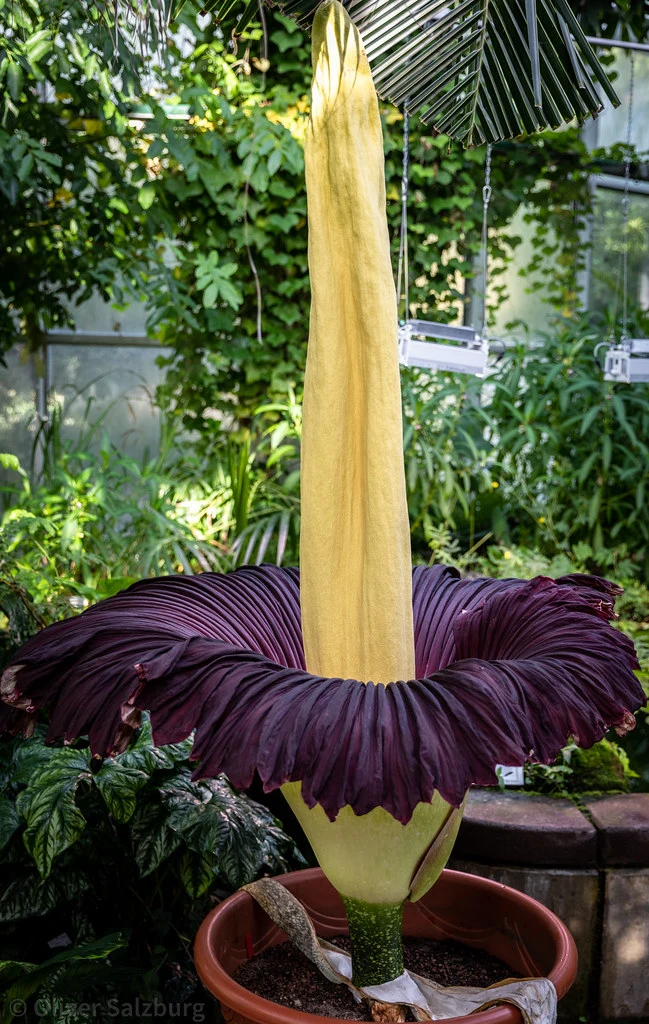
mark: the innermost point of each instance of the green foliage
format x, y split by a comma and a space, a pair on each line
65, 151
231, 183
204, 215
128, 845
445, 213
231, 835
572, 451
20, 980
604, 768
56, 796
49, 807
448, 464
96, 519
547, 457
178, 212
520, 562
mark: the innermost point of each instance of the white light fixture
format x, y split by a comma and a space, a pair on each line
622, 365
455, 349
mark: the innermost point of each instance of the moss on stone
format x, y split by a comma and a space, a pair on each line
603, 768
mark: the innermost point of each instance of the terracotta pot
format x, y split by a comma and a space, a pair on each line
473, 910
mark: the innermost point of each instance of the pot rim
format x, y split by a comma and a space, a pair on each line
255, 1007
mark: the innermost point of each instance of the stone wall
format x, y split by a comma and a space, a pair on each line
591, 867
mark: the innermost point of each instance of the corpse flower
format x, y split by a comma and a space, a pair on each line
374, 696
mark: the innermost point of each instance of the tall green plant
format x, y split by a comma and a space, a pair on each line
96, 520
572, 447
449, 465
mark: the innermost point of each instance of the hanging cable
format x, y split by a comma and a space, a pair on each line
626, 202
486, 198
623, 363
431, 344
402, 271
402, 268
622, 275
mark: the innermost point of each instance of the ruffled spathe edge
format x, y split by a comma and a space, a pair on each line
510, 670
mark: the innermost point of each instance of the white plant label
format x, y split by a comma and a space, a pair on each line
511, 775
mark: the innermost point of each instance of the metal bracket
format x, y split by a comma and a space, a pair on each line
638, 346
455, 349
617, 365
622, 366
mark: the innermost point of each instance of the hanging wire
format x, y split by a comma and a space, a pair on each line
402, 271
616, 298
622, 275
402, 268
486, 198
626, 202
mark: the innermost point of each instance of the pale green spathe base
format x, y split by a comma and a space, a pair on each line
370, 857
435, 860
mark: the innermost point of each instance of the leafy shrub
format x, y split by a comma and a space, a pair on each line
204, 217
129, 846
96, 519
603, 768
572, 450
55, 979
449, 465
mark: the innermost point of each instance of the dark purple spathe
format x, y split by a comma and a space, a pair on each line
507, 670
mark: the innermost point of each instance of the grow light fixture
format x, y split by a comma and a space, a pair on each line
622, 365
456, 349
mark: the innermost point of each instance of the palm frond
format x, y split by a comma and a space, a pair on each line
476, 70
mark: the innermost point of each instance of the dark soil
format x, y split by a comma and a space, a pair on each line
284, 975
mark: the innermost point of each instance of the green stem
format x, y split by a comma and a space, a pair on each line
375, 934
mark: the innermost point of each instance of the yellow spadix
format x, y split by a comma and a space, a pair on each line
355, 565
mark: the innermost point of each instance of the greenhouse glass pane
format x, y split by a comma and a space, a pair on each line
526, 305
608, 247
18, 421
96, 315
107, 390
611, 124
